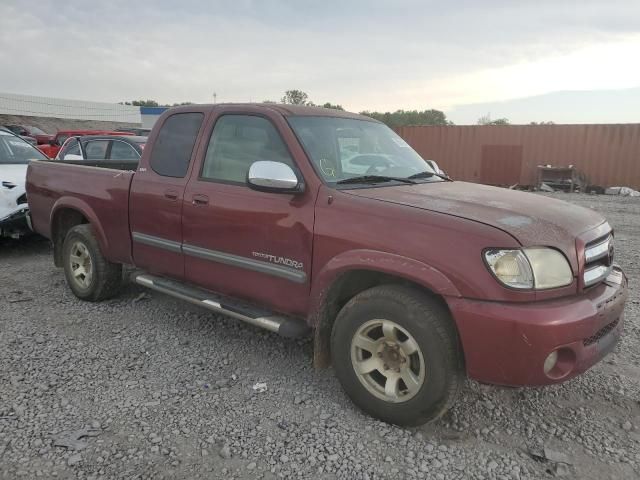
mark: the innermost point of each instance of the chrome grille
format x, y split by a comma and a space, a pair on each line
598, 260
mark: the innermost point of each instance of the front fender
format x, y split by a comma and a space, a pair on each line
383, 262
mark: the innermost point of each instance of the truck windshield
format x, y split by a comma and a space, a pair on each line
14, 150
345, 148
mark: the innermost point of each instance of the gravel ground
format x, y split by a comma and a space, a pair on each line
143, 386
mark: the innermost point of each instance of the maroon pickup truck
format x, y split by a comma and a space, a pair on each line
305, 220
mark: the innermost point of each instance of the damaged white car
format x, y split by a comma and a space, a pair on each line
15, 155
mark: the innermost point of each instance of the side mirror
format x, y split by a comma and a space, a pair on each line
275, 177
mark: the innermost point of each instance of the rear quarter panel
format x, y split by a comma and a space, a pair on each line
100, 194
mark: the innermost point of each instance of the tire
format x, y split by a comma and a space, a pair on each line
89, 275
426, 353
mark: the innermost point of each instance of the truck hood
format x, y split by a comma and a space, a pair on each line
533, 220
44, 138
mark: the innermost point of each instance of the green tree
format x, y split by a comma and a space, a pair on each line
145, 103
543, 123
153, 103
331, 105
401, 118
486, 120
296, 97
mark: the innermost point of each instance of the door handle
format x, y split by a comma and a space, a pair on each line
171, 195
199, 199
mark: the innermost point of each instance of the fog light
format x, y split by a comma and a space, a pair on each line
550, 362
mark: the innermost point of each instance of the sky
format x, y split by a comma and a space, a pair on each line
566, 61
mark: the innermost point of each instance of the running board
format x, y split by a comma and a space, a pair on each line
285, 326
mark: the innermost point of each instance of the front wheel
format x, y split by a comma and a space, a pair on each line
89, 275
396, 353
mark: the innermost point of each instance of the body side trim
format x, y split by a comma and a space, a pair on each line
246, 263
157, 242
290, 274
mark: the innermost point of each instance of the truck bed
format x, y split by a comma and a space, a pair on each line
95, 191
110, 164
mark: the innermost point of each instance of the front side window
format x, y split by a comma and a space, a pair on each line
237, 142
14, 150
96, 149
123, 151
345, 148
72, 147
60, 139
172, 149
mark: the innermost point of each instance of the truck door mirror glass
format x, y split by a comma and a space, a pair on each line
273, 177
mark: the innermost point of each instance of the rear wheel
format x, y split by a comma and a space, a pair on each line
89, 275
396, 353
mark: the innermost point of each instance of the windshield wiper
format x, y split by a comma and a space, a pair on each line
374, 179
427, 174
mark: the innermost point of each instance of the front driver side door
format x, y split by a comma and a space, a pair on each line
241, 242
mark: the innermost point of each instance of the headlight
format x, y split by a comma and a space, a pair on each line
527, 268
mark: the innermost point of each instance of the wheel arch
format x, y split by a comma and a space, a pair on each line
66, 214
347, 275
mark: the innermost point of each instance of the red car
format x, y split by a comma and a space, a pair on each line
55, 144
301, 219
38, 134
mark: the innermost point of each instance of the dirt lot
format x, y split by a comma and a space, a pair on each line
52, 125
160, 389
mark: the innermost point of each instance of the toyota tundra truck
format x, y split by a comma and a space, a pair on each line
314, 222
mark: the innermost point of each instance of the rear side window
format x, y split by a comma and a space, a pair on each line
173, 146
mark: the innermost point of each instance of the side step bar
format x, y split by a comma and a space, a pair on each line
285, 326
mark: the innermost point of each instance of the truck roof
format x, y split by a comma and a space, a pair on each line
286, 109
72, 133
126, 138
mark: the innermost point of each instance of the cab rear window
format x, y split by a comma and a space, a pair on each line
172, 149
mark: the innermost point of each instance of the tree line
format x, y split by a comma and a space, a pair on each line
399, 118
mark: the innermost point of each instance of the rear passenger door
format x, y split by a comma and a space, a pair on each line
157, 190
242, 242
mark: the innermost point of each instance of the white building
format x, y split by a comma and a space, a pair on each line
27, 105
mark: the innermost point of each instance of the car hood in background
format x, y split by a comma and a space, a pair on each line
534, 220
14, 175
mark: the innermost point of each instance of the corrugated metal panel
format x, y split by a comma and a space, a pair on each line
609, 155
11, 104
501, 164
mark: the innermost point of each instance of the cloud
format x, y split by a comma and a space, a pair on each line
362, 54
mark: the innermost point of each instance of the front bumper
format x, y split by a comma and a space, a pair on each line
507, 343
15, 225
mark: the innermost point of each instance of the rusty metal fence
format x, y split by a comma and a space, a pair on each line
608, 155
